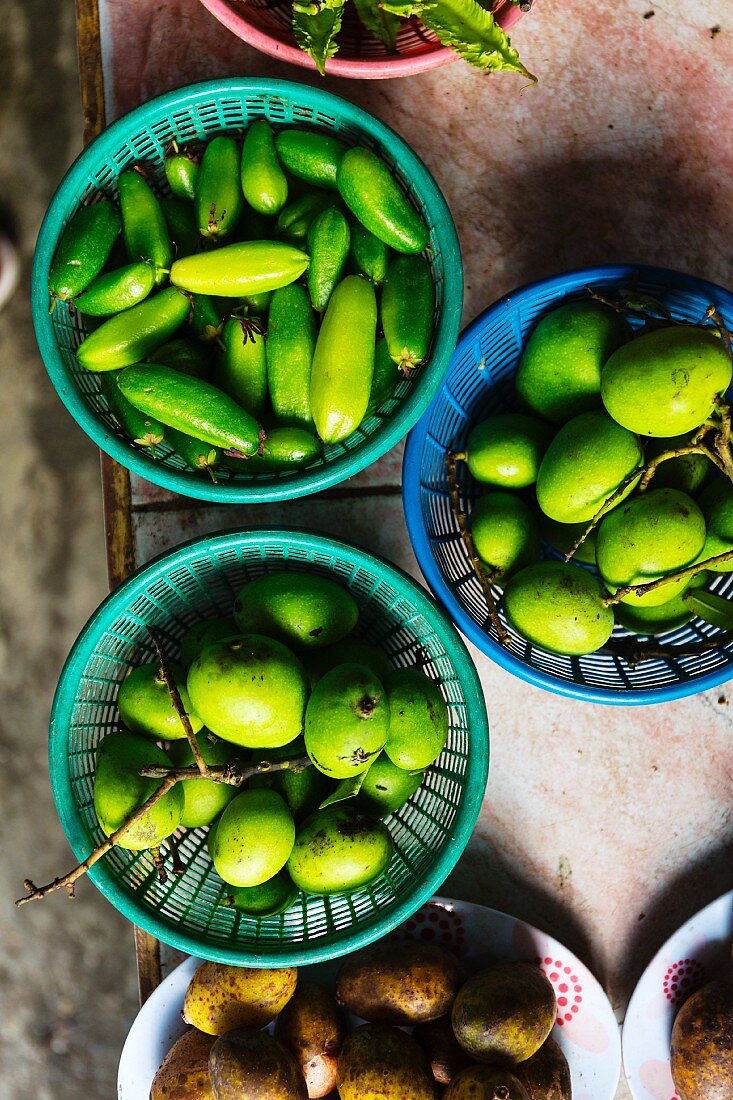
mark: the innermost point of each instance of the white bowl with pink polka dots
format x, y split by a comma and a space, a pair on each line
586, 1029
693, 955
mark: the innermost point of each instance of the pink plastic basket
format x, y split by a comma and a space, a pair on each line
265, 24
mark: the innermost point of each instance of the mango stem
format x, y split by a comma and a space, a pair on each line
177, 702
680, 575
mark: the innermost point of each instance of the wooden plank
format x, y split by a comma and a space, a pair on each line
147, 951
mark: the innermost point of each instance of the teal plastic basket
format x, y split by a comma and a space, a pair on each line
430, 831
201, 111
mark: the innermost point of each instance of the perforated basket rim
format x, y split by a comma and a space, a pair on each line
333, 944
421, 543
333, 472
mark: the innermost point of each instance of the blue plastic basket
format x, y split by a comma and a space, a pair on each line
201, 111
200, 579
480, 382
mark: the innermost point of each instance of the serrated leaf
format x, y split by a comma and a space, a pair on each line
316, 33
468, 29
710, 607
347, 788
379, 22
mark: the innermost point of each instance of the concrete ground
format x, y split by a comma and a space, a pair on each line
67, 979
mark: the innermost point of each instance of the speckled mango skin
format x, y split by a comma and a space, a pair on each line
503, 1014
546, 1075
313, 1028
338, 850
184, 1074
251, 1064
558, 606
399, 983
702, 1044
485, 1083
380, 1063
221, 997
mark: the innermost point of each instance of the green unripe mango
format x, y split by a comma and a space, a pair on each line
418, 720
587, 460
203, 633
251, 691
203, 799
507, 449
338, 850
657, 532
301, 609
666, 382
563, 536
119, 790
559, 374
347, 652
654, 620
558, 606
303, 791
387, 787
253, 839
505, 533
145, 704
346, 721
716, 503
266, 900
689, 473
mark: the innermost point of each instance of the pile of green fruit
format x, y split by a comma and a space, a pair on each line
702, 1042
485, 1038
282, 682
267, 306
622, 460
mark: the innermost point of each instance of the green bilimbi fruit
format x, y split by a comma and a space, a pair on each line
141, 429
370, 255
407, 310
119, 790
418, 720
116, 290
339, 849
716, 503
83, 248
202, 634
349, 651
346, 721
144, 227
655, 533
310, 156
182, 172
687, 472
328, 245
254, 838
384, 379
198, 456
285, 449
181, 221
667, 381
369, 189
506, 450
242, 369
291, 341
387, 787
504, 531
218, 198
203, 799
145, 705
235, 270
559, 607
269, 899
586, 462
563, 536
301, 609
303, 791
264, 183
251, 691
131, 336
559, 374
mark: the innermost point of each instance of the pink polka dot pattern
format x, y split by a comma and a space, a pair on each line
682, 979
568, 990
433, 924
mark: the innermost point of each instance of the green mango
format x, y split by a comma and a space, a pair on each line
204, 799
562, 536
418, 720
690, 473
386, 787
350, 651
303, 791
119, 790
346, 721
666, 381
251, 691
558, 606
338, 850
505, 533
253, 838
303, 609
559, 374
201, 634
587, 460
507, 449
266, 900
145, 705
716, 503
657, 619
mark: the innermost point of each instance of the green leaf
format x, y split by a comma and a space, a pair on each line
468, 29
315, 33
347, 788
710, 607
382, 24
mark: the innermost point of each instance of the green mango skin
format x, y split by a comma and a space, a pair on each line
418, 720
666, 382
145, 704
338, 850
559, 374
296, 608
203, 799
558, 606
587, 460
562, 536
253, 839
119, 790
320, 661
387, 787
654, 620
689, 473
303, 791
505, 533
251, 691
204, 633
346, 721
657, 532
506, 450
269, 899
716, 503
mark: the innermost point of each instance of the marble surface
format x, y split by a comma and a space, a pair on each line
606, 826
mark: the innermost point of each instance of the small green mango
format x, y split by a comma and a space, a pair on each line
563, 536
338, 850
346, 721
418, 720
657, 619
203, 799
304, 790
387, 787
269, 899
145, 705
505, 533
253, 838
301, 609
201, 634
558, 606
716, 503
348, 652
689, 473
506, 450
119, 790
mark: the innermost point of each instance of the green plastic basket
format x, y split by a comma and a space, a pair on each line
201, 111
430, 831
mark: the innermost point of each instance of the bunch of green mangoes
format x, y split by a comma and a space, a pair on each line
472, 1036
265, 307
600, 401
283, 677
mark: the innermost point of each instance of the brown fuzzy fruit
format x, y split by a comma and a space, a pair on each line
546, 1075
485, 1083
251, 1064
445, 1054
312, 1027
382, 1063
399, 983
702, 1044
221, 997
504, 1014
184, 1074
